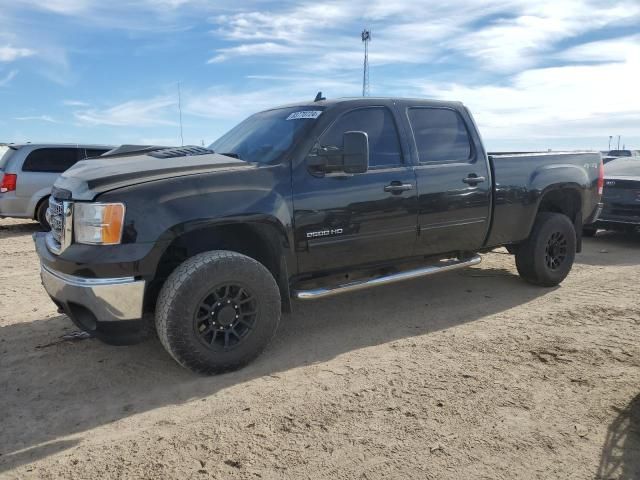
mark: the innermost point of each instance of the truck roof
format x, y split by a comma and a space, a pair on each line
358, 101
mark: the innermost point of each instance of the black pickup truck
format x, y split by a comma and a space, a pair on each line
302, 201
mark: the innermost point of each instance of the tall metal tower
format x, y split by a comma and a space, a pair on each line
366, 38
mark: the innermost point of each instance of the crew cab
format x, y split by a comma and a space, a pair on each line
304, 201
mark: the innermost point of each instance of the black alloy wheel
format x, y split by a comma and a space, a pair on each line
556, 250
545, 258
226, 316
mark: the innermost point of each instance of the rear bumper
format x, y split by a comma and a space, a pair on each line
613, 224
95, 299
13, 206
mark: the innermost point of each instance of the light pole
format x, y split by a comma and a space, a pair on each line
366, 38
610, 137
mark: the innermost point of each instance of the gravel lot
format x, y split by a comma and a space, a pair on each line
472, 374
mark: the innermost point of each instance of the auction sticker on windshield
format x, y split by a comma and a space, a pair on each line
304, 114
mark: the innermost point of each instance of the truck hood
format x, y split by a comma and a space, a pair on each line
89, 178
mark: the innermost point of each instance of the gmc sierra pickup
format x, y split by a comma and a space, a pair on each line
301, 201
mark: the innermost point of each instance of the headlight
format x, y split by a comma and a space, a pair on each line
98, 223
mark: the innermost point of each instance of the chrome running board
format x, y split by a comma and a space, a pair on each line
386, 279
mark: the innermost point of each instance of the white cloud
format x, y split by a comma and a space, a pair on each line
513, 43
75, 103
504, 35
4, 81
560, 102
135, 113
9, 53
64, 7
617, 49
83, 7
37, 118
223, 103
494, 55
266, 48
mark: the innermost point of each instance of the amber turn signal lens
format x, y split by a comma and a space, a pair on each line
113, 218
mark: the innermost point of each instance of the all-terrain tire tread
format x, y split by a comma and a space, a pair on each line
526, 255
167, 307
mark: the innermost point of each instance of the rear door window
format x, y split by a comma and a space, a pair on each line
440, 135
52, 160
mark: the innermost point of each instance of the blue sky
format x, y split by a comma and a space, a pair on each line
536, 74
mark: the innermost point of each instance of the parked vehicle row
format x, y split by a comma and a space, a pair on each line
28, 171
621, 197
302, 201
615, 154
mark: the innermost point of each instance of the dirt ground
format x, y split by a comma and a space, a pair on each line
472, 374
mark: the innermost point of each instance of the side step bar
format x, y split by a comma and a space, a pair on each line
386, 279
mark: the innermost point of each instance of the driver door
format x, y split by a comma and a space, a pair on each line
345, 220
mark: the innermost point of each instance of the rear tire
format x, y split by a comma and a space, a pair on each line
546, 257
217, 311
589, 231
41, 214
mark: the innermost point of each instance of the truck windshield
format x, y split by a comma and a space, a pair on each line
266, 136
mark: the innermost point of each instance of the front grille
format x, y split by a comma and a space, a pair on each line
55, 216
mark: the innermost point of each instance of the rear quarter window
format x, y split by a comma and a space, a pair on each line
51, 160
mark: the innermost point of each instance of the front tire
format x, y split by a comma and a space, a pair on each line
217, 311
41, 214
546, 257
589, 231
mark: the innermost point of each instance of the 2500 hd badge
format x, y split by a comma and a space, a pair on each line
325, 233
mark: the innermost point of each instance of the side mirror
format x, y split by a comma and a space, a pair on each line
353, 157
355, 152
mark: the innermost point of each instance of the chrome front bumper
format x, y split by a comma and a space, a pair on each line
108, 299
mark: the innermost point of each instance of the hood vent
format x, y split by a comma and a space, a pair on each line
180, 152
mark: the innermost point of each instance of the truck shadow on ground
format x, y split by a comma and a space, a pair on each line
621, 452
67, 388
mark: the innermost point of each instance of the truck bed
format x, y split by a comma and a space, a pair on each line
520, 181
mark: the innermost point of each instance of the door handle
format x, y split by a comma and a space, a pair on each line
473, 179
398, 187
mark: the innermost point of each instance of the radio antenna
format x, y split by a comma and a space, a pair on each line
180, 112
366, 38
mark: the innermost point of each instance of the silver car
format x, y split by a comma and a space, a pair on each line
28, 171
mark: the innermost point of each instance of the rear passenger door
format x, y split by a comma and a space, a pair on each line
454, 181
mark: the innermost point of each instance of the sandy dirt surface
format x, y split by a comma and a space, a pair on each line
472, 374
